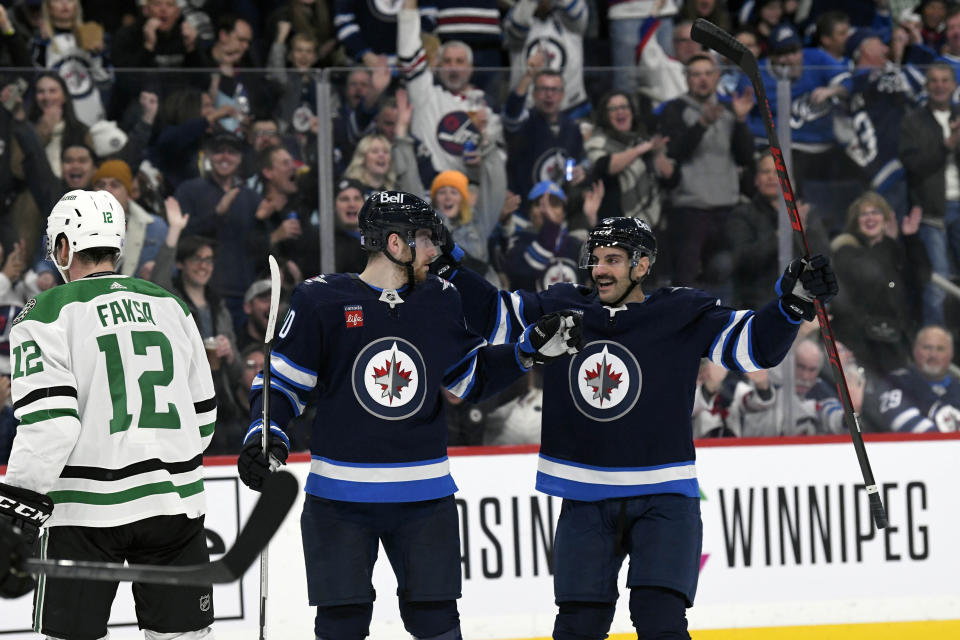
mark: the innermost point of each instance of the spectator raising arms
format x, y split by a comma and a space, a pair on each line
881, 281
76, 50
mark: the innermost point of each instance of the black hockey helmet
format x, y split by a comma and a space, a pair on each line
632, 234
397, 212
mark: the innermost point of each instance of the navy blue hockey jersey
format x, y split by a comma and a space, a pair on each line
909, 401
377, 361
616, 416
869, 125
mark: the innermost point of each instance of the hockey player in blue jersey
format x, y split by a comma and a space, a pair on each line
923, 397
617, 441
377, 348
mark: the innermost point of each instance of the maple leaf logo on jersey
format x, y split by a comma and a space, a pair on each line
392, 379
389, 378
603, 380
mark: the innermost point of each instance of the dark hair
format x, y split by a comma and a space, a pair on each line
720, 15
548, 73
602, 116
265, 156
829, 21
228, 22
73, 130
93, 255
71, 144
189, 245
182, 105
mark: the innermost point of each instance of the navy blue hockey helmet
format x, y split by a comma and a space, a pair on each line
399, 212
631, 234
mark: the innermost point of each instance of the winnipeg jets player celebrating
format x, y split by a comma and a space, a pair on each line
378, 348
116, 404
617, 441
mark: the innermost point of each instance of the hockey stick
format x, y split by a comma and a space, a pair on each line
278, 496
265, 429
710, 35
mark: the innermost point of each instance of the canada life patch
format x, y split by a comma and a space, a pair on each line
353, 314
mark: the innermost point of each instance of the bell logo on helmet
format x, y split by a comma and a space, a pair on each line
396, 198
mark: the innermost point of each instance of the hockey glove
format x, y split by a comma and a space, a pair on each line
13, 549
804, 280
554, 335
253, 466
25, 509
447, 263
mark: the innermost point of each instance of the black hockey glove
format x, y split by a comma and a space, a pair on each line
13, 550
25, 509
552, 336
22, 513
804, 280
253, 466
447, 263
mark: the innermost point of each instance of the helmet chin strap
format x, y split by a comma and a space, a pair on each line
64, 270
407, 266
633, 284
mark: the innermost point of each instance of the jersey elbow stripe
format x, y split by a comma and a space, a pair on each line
47, 414
909, 415
501, 328
298, 376
719, 346
743, 347
291, 395
48, 392
203, 406
462, 386
516, 302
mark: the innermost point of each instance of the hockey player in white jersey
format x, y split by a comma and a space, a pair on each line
116, 404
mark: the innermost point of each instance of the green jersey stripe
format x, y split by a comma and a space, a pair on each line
207, 429
51, 302
127, 495
48, 414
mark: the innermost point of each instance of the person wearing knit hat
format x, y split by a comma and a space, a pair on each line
449, 195
145, 231
119, 171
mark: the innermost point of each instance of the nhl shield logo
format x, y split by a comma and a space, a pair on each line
205, 602
389, 378
605, 381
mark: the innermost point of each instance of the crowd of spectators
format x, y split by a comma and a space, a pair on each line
523, 122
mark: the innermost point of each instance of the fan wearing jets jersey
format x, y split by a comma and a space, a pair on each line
113, 392
378, 348
617, 442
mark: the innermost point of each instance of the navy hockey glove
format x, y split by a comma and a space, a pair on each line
253, 466
447, 263
804, 280
552, 336
13, 549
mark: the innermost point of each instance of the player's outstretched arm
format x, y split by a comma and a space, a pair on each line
499, 316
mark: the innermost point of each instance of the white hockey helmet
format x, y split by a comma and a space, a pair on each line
88, 219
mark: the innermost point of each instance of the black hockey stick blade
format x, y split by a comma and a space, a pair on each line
710, 35
279, 492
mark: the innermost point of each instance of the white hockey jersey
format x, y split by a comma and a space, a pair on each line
82, 71
115, 400
440, 118
559, 35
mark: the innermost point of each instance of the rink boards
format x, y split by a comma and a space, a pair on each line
789, 549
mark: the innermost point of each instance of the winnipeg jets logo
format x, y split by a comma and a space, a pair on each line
389, 378
392, 378
605, 380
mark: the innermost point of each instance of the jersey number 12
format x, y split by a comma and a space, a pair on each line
150, 418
